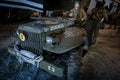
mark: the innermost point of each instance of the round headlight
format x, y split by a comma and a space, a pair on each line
49, 40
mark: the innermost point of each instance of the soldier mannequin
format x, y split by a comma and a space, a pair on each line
78, 12
75, 11
80, 16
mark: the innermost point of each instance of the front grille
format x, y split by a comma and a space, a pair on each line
32, 41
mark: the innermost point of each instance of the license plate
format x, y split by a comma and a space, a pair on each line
52, 69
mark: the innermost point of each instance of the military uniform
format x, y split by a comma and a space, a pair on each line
79, 14
75, 12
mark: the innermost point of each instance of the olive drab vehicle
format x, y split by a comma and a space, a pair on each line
51, 44
55, 44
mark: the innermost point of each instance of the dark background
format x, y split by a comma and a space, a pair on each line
10, 14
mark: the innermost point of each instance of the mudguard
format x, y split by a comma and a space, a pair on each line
71, 38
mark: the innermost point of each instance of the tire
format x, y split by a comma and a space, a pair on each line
73, 72
71, 63
92, 28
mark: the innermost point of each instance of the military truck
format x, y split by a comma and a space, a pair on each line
54, 45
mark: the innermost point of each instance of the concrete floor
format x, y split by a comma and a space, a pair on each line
103, 59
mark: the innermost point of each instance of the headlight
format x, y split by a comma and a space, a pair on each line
17, 32
49, 40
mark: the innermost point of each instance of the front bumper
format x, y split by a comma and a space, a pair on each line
29, 57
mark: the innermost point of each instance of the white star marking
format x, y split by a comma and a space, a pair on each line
107, 3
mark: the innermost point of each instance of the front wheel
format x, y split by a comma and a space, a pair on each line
71, 63
74, 64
